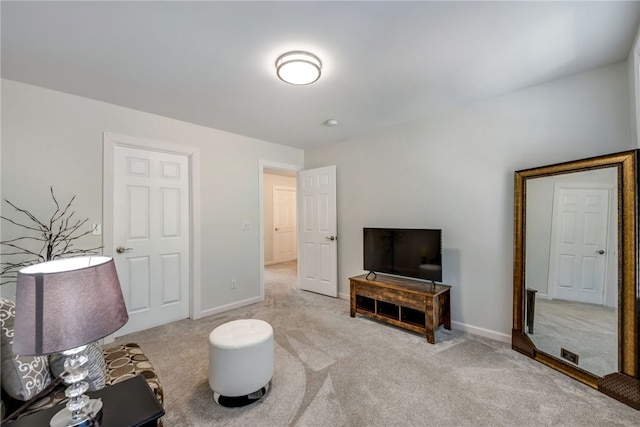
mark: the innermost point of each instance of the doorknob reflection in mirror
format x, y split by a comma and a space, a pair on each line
122, 249
601, 252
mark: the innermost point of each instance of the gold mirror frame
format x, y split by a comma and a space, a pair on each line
623, 385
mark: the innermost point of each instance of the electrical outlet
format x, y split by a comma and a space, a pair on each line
234, 284
96, 229
569, 355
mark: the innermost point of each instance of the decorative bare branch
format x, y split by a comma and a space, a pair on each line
48, 240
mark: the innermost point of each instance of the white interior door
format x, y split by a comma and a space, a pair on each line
151, 235
317, 237
579, 233
284, 223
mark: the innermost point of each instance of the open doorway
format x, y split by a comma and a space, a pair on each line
279, 221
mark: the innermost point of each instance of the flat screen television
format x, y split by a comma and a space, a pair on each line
415, 253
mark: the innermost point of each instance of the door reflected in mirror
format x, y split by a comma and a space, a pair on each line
571, 274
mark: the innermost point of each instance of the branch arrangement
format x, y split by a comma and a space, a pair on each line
55, 238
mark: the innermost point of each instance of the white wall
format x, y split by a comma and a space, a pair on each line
271, 180
455, 172
52, 138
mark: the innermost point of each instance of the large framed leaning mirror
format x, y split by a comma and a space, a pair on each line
576, 299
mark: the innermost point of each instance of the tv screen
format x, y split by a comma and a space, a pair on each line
415, 253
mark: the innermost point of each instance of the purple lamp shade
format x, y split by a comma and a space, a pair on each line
66, 303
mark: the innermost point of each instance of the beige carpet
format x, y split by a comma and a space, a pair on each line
333, 370
588, 330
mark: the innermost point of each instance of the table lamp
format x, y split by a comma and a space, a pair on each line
61, 306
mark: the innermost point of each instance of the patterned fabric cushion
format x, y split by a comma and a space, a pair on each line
95, 364
22, 376
126, 361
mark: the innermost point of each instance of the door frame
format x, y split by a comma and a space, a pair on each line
285, 167
110, 141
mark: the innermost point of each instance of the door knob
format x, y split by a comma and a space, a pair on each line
276, 228
122, 249
332, 238
601, 252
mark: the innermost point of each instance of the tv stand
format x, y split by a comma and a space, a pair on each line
410, 304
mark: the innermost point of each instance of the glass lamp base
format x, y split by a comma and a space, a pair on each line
93, 411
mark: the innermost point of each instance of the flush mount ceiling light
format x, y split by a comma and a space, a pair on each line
298, 67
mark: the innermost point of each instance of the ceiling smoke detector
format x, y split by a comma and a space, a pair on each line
331, 123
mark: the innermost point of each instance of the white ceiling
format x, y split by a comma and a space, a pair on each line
384, 63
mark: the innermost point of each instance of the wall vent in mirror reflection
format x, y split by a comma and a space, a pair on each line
568, 355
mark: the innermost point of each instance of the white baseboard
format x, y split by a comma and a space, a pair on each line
222, 309
475, 330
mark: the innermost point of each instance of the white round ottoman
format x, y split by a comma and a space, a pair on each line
240, 361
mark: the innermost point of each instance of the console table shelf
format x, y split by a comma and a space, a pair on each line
410, 304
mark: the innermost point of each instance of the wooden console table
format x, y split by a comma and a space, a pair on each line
410, 304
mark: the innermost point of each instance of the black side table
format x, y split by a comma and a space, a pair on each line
130, 403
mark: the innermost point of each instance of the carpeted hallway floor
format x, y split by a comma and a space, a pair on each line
333, 370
